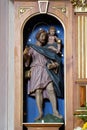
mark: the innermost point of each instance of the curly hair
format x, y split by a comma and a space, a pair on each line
39, 33
53, 28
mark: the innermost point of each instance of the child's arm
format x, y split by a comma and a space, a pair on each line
58, 48
58, 44
53, 48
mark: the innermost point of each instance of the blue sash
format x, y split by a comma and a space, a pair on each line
57, 78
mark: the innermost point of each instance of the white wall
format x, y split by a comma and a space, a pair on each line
11, 67
6, 66
3, 63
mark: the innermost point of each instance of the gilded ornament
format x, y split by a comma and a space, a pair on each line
62, 9
24, 9
79, 5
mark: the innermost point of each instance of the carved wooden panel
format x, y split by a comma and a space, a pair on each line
81, 56
82, 46
82, 96
63, 11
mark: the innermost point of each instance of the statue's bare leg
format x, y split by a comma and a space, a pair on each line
39, 101
52, 98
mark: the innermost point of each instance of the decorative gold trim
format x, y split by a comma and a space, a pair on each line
79, 48
22, 10
86, 46
82, 49
62, 9
81, 81
80, 9
79, 5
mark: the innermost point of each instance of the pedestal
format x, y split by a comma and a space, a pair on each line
42, 126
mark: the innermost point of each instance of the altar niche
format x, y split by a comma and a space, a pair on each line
33, 25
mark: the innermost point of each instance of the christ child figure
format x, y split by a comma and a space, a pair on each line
54, 43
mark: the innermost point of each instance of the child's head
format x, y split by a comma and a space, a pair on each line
52, 30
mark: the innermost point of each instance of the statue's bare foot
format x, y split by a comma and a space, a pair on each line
39, 117
58, 115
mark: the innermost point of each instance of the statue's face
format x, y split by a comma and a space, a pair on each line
52, 32
42, 38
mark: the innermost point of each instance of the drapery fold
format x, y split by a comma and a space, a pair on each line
57, 78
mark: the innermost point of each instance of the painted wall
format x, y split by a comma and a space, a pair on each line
3, 63
6, 67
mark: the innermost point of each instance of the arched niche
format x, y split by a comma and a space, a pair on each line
23, 12
31, 27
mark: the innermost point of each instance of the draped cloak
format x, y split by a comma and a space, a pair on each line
57, 78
